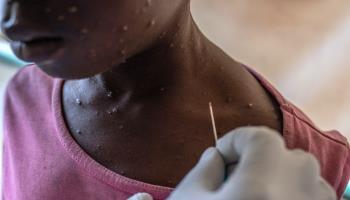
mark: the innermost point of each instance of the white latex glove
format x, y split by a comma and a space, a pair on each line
141, 196
265, 170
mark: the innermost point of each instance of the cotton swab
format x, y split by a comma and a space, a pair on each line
213, 123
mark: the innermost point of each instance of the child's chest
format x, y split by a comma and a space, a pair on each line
154, 148
157, 150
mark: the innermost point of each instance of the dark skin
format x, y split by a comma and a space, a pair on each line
139, 76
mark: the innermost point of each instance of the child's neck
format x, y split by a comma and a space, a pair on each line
176, 60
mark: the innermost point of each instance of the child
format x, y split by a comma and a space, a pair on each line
120, 104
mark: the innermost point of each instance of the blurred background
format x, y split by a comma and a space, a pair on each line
302, 47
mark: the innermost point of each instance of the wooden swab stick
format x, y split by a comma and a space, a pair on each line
213, 123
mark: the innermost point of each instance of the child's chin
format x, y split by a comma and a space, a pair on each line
68, 68
66, 72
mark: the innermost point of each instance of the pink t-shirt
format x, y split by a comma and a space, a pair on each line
43, 162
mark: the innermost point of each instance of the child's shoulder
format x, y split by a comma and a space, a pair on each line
296, 122
302, 121
329, 147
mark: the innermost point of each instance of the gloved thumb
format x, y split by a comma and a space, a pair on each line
208, 174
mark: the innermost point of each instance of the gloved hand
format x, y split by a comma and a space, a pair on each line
265, 170
141, 196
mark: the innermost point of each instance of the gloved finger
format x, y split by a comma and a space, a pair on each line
248, 140
309, 166
255, 148
207, 175
325, 191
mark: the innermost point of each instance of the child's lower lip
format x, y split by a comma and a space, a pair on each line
38, 51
